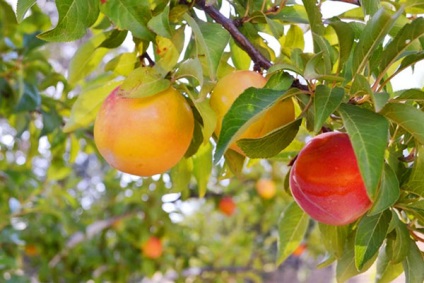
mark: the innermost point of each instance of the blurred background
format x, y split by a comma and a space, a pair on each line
66, 216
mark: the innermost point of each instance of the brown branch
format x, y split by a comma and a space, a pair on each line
354, 2
259, 60
146, 56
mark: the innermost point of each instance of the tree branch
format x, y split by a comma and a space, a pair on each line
259, 60
354, 2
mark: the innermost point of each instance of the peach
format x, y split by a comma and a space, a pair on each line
230, 87
326, 182
266, 188
144, 136
152, 248
227, 206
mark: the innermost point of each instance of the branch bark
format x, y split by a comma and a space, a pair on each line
258, 59
354, 2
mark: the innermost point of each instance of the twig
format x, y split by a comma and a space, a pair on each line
259, 60
146, 56
354, 2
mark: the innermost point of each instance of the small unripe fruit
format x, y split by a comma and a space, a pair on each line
326, 182
144, 136
230, 87
227, 206
152, 248
266, 188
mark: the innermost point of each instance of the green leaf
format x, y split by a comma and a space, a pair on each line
143, 82
373, 34
408, 117
234, 161
30, 99
31, 42
74, 19
410, 94
413, 6
250, 104
292, 40
22, 8
415, 182
292, 14
387, 271
283, 66
398, 248
159, 24
239, 57
370, 235
388, 193
346, 38
360, 86
88, 103
196, 141
368, 133
202, 167
315, 67
8, 22
86, 58
271, 144
58, 170
315, 21
123, 64
132, 15
211, 40
277, 29
325, 49
370, 7
208, 115
413, 264
326, 100
181, 175
334, 238
292, 227
410, 60
168, 54
278, 81
380, 99
408, 35
346, 264
51, 120
250, 30
115, 39
416, 208
190, 68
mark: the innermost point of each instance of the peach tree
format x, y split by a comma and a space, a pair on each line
68, 215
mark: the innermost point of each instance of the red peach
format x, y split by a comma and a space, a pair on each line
326, 182
227, 206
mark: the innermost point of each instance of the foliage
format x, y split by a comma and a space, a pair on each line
66, 215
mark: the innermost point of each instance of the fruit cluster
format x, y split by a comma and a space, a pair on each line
149, 135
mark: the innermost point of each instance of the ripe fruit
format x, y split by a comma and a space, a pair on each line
266, 188
325, 180
230, 87
144, 136
31, 250
299, 250
152, 248
227, 206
